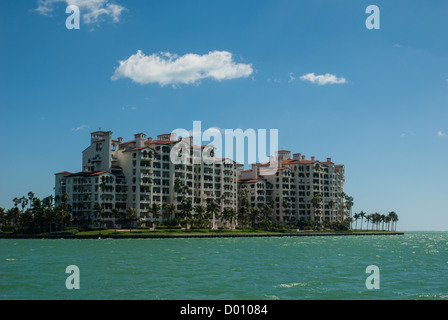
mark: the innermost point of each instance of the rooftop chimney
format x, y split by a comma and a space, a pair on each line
120, 139
312, 158
140, 139
328, 159
303, 157
296, 156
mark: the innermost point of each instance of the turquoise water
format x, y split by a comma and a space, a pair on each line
411, 266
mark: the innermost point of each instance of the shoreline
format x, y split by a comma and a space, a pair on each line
193, 235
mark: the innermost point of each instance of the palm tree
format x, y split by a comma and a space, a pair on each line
212, 210
362, 215
228, 215
254, 214
185, 211
387, 220
243, 206
130, 217
316, 201
356, 216
349, 203
376, 219
368, 219
382, 219
394, 219
266, 214
99, 211
200, 211
115, 213
48, 213
155, 211
168, 211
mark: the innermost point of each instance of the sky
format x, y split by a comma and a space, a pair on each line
374, 100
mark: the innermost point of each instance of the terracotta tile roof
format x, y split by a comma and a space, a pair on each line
86, 174
161, 141
139, 148
132, 141
63, 172
248, 180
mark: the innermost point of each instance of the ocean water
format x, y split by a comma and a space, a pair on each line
410, 266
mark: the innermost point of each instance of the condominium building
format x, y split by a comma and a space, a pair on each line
291, 187
138, 173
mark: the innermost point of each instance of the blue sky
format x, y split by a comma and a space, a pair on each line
386, 122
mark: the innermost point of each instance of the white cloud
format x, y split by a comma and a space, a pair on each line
441, 134
79, 128
166, 68
323, 79
407, 133
291, 77
397, 45
91, 11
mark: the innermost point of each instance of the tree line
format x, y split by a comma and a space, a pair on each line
378, 221
31, 214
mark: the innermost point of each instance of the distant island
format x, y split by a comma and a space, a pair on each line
136, 185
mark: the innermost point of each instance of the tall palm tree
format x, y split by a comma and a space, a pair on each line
394, 219
383, 220
266, 214
48, 213
115, 212
168, 211
362, 215
155, 211
368, 219
356, 216
316, 201
99, 212
243, 207
185, 211
130, 217
349, 203
212, 209
376, 219
387, 220
226, 215
254, 214
200, 211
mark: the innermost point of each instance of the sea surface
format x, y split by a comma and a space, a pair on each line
410, 266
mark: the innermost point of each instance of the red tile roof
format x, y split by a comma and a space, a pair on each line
248, 181
161, 141
86, 174
63, 172
134, 149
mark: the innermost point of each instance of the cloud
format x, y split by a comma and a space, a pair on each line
92, 11
166, 68
79, 128
440, 133
291, 77
407, 133
130, 108
396, 45
323, 79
